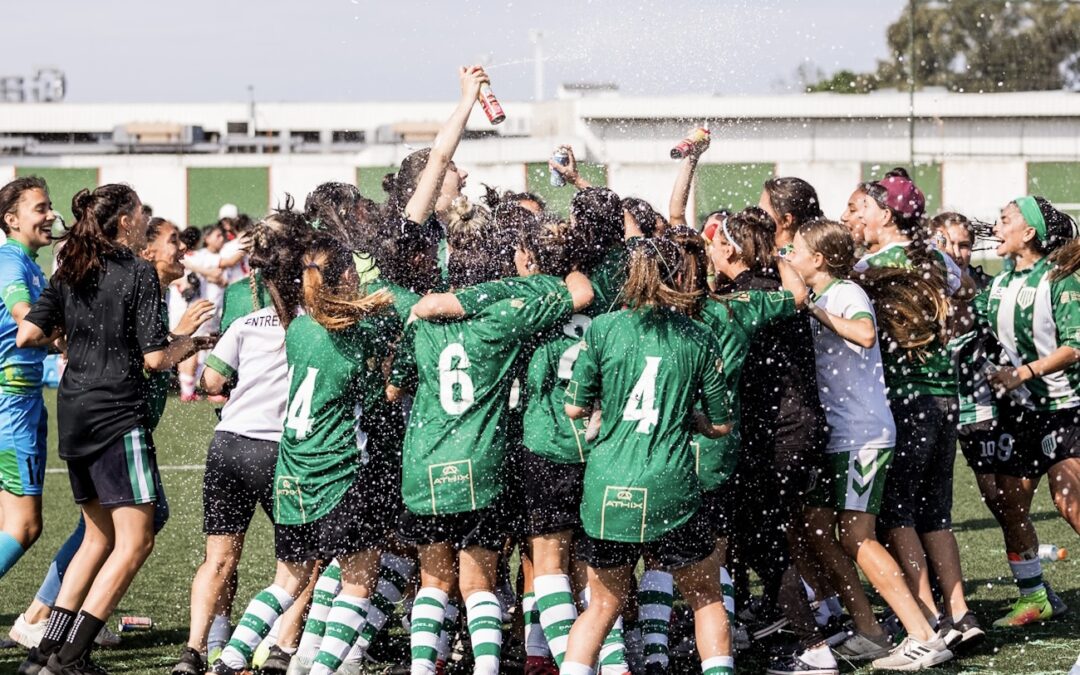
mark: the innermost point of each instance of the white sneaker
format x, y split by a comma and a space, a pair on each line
1075, 670
27, 634
106, 638
912, 654
350, 668
860, 647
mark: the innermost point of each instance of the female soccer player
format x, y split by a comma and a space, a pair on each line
106, 303
1033, 310
323, 507
647, 368
861, 442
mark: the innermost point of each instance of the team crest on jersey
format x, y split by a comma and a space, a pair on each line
1049, 444
1026, 297
1070, 296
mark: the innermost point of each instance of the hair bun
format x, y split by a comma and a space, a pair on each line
81, 203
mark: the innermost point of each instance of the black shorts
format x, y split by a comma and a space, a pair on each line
1039, 440
691, 542
718, 505
353, 525
981, 444
552, 494
484, 528
123, 474
239, 475
515, 477
919, 487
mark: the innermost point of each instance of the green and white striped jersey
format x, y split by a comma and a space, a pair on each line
974, 354
1032, 317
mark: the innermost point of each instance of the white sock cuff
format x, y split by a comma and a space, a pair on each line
718, 662
434, 594
572, 668
282, 596
474, 601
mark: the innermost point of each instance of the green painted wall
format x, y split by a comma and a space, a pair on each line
1057, 181
209, 188
729, 186
927, 177
369, 179
63, 184
538, 181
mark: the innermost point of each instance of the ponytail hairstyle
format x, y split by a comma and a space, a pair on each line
897, 194
340, 210
753, 233
642, 213
470, 236
11, 194
400, 186
791, 196
509, 222
693, 274
652, 272
1061, 242
278, 242
330, 293
834, 242
551, 243
93, 236
597, 212
912, 313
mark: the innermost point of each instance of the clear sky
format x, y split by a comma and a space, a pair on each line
357, 50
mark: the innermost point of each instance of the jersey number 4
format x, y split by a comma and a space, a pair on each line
298, 415
641, 407
456, 391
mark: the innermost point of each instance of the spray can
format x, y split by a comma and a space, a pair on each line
491, 105
686, 145
133, 623
1051, 553
560, 156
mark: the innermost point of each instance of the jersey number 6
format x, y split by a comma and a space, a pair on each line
456, 392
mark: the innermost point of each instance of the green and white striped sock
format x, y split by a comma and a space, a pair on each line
613, 650
449, 619
718, 665
557, 611
656, 594
260, 615
343, 625
535, 642
484, 613
429, 610
727, 588
326, 589
394, 574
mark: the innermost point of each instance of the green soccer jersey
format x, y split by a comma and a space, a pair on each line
240, 300
404, 299
647, 370
157, 384
1032, 316
733, 320
457, 434
974, 353
334, 377
906, 375
607, 278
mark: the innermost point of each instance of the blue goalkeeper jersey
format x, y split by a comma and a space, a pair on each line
21, 280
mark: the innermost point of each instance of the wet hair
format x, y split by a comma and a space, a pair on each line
598, 212
335, 305
793, 197
278, 242
474, 247
753, 231
1060, 227
492, 198
403, 253
693, 273
340, 210
913, 226
652, 269
912, 312
834, 242
643, 214
190, 236
550, 242
11, 194
93, 236
400, 186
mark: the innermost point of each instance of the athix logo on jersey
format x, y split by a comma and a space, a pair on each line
288, 488
1049, 444
448, 480
1026, 297
621, 505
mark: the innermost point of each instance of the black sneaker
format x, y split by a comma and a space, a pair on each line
962, 634
191, 663
793, 665
35, 662
220, 668
837, 630
83, 666
277, 663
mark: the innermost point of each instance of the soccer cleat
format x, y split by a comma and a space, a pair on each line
34, 664
912, 654
106, 638
1028, 609
1056, 602
220, 668
83, 666
767, 625
837, 630
962, 634
27, 634
793, 665
276, 662
191, 663
540, 665
862, 647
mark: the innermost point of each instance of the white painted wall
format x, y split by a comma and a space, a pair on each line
980, 188
162, 184
300, 176
833, 181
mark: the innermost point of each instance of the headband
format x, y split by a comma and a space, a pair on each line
1029, 208
727, 235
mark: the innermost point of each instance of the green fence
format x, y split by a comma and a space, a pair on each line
926, 176
208, 189
729, 186
538, 181
369, 179
1057, 181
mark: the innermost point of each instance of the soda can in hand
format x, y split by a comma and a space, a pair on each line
560, 156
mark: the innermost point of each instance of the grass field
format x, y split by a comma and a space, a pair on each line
162, 588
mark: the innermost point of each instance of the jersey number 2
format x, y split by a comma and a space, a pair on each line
456, 391
298, 416
641, 407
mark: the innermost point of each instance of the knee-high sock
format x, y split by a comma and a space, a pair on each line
260, 615
322, 598
535, 642
613, 650
656, 594
485, 615
50, 585
449, 619
394, 574
727, 588
343, 625
428, 612
10, 552
555, 602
